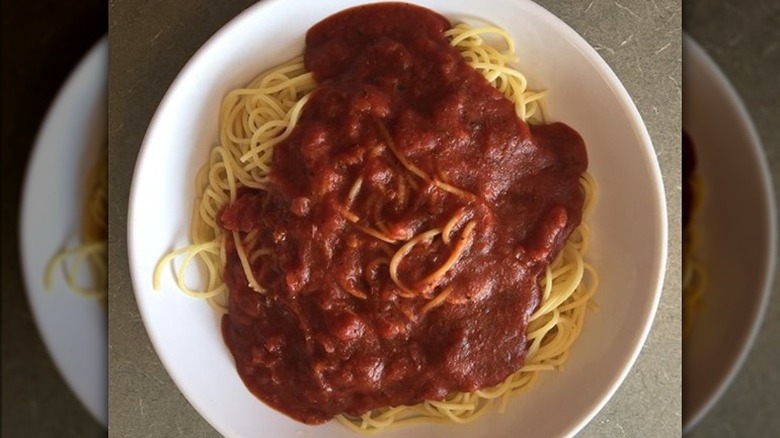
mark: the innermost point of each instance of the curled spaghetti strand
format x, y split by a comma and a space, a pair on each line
261, 115
85, 265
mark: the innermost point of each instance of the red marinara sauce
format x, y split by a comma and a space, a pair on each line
333, 333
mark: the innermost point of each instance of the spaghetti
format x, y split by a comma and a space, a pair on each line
90, 255
568, 285
255, 119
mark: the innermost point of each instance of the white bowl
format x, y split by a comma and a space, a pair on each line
737, 227
629, 221
73, 328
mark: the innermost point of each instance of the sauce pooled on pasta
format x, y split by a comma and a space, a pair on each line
431, 143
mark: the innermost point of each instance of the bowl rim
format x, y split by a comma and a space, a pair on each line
693, 50
627, 106
59, 130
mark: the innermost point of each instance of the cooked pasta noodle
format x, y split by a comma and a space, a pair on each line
85, 265
255, 118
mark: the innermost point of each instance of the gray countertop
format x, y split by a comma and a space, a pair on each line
43, 41
745, 43
152, 40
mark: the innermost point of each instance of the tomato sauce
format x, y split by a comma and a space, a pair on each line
333, 333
